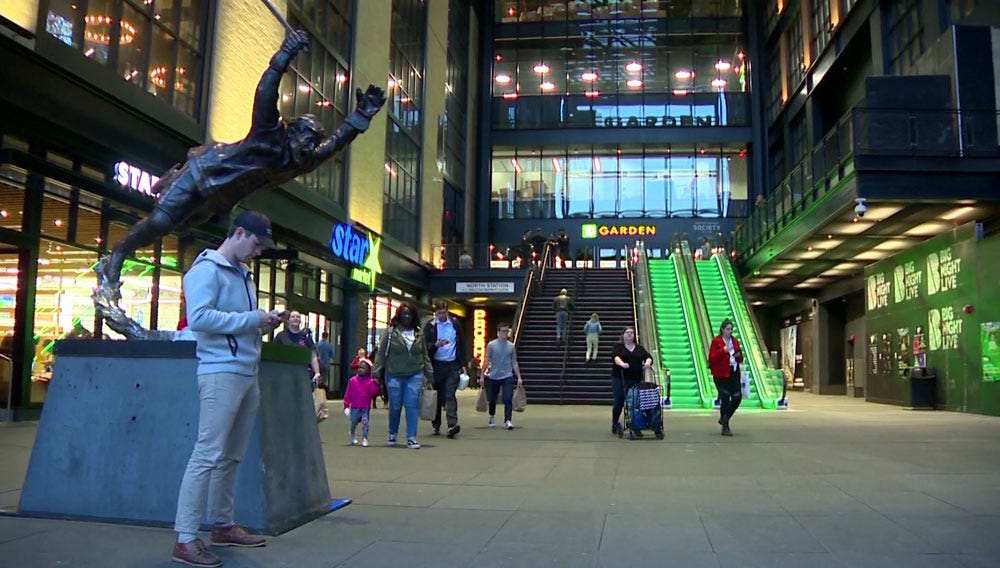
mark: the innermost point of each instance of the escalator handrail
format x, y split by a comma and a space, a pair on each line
700, 362
730, 273
700, 307
643, 307
767, 399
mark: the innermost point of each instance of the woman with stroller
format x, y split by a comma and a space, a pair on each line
629, 363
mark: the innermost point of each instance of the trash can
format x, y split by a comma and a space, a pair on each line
922, 387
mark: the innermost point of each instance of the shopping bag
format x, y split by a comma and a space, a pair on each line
744, 385
463, 381
520, 399
428, 403
482, 405
320, 405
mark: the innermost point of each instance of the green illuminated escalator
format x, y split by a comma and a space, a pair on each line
724, 300
677, 344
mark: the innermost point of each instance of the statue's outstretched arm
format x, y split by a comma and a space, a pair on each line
265, 102
369, 103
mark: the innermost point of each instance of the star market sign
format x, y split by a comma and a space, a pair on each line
594, 230
134, 178
360, 250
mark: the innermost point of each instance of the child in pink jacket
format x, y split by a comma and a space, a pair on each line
361, 389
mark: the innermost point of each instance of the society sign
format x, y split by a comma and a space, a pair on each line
484, 287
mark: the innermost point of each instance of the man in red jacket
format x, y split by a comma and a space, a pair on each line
724, 358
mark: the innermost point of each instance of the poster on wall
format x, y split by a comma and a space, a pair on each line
788, 344
989, 336
873, 354
903, 351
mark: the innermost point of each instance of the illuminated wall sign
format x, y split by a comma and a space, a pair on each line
359, 249
656, 121
136, 179
480, 333
595, 230
484, 287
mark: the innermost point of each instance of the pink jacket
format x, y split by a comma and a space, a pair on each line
360, 392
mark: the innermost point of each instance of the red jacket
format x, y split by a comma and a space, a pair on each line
718, 358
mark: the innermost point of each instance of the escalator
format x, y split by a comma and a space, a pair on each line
677, 346
724, 301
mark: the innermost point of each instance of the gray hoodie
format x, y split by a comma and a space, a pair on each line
222, 312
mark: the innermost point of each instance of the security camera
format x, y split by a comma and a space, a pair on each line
860, 209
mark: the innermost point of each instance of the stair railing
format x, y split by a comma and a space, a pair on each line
642, 307
577, 286
531, 280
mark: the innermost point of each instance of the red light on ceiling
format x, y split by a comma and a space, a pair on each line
511, 12
742, 153
498, 58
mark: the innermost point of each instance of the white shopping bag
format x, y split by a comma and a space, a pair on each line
744, 385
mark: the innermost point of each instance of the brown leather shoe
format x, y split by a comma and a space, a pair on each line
194, 554
235, 536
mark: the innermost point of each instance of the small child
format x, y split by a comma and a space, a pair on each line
361, 389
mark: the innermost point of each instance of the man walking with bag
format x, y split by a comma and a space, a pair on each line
446, 348
221, 300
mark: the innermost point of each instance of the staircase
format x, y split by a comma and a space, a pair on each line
675, 345
604, 291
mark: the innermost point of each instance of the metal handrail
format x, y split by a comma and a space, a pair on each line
10, 387
705, 387
529, 280
643, 308
631, 284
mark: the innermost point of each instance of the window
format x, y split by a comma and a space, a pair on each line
904, 35
821, 26
796, 52
157, 46
403, 152
455, 125
318, 82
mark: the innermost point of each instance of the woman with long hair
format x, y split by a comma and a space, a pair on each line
629, 363
401, 360
724, 358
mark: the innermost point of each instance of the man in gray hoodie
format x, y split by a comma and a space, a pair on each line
221, 300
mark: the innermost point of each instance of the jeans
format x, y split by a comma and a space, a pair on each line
729, 397
359, 415
562, 318
446, 384
619, 386
493, 387
592, 343
404, 392
226, 416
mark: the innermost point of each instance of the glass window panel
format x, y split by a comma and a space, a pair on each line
192, 14
11, 202
132, 56
64, 21
186, 81
99, 30
88, 227
579, 181
170, 308
55, 214
161, 64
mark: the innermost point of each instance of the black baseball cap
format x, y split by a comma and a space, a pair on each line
256, 223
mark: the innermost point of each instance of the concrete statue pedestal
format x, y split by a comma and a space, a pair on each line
120, 421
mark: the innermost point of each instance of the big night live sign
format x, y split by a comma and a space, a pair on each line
360, 250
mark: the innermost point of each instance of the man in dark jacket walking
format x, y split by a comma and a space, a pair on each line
446, 348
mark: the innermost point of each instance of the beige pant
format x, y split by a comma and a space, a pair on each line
225, 421
592, 342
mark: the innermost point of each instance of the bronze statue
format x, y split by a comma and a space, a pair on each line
216, 178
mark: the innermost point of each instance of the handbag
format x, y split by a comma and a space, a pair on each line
482, 405
320, 405
520, 399
428, 403
744, 385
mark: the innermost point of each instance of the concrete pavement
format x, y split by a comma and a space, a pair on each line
831, 482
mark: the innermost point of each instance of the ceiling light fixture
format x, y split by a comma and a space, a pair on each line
633, 83
723, 65
684, 74
547, 86
503, 78
719, 82
589, 76
680, 92
633, 67
592, 94
540, 69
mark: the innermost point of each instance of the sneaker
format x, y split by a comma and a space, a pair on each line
493, 422
509, 425
354, 441
392, 441
235, 535
412, 444
726, 431
364, 442
194, 553
437, 432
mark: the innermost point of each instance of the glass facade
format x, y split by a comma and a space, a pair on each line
157, 46
456, 123
319, 82
650, 181
404, 110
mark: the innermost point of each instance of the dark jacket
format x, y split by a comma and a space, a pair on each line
393, 358
431, 337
